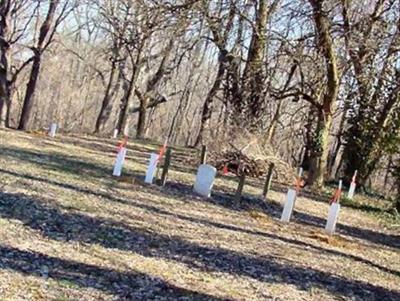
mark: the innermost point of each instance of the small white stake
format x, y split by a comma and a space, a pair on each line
119, 162
334, 210
151, 169
353, 186
53, 130
333, 216
301, 172
115, 134
289, 205
352, 190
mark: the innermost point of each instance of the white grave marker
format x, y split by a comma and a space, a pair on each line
289, 205
334, 210
151, 169
352, 190
353, 186
53, 130
205, 179
291, 199
119, 162
333, 216
115, 134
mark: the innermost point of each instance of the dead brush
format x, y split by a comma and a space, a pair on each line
260, 217
245, 152
335, 240
38, 133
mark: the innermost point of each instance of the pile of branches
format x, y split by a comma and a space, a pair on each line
238, 163
241, 152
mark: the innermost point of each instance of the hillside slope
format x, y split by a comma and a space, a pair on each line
70, 231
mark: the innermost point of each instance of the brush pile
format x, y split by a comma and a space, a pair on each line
243, 153
238, 163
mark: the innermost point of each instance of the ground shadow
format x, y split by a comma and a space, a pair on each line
143, 204
125, 285
55, 224
226, 199
58, 162
73, 166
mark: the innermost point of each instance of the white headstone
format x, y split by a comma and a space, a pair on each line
333, 216
289, 204
115, 134
151, 168
352, 190
53, 130
119, 162
205, 179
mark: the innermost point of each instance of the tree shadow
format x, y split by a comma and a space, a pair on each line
222, 198
125, 285
226, 199
143, 204
55, 224
58, 162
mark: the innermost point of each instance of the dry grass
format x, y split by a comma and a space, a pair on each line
71, 231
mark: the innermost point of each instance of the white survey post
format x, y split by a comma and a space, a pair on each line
291, 199
119, 162
53, 130
353, 186
333, 217
333, 214
205, 179
289, 205
115, 134
151, 168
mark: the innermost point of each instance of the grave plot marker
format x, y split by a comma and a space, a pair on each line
291, 199
167, 162
333, 214
353, 186
53, 130
151, 169
154, 159
268, 180
205, 179
240, 187
121, 153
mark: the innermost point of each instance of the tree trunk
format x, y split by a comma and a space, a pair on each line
4, 104
272, 127
4, 64
254, 72
4, 107
208, 104
319, 154
141, 125
29, 94
38, 50
105, 109
319, 158
123, 122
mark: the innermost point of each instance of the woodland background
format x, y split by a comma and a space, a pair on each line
323, 76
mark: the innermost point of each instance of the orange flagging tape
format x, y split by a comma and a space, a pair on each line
122, 144
162, 150
225, 169
298, 184
336, 196
353, 179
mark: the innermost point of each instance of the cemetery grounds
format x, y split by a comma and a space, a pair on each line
71, 231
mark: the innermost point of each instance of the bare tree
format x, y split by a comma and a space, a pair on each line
46, 36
